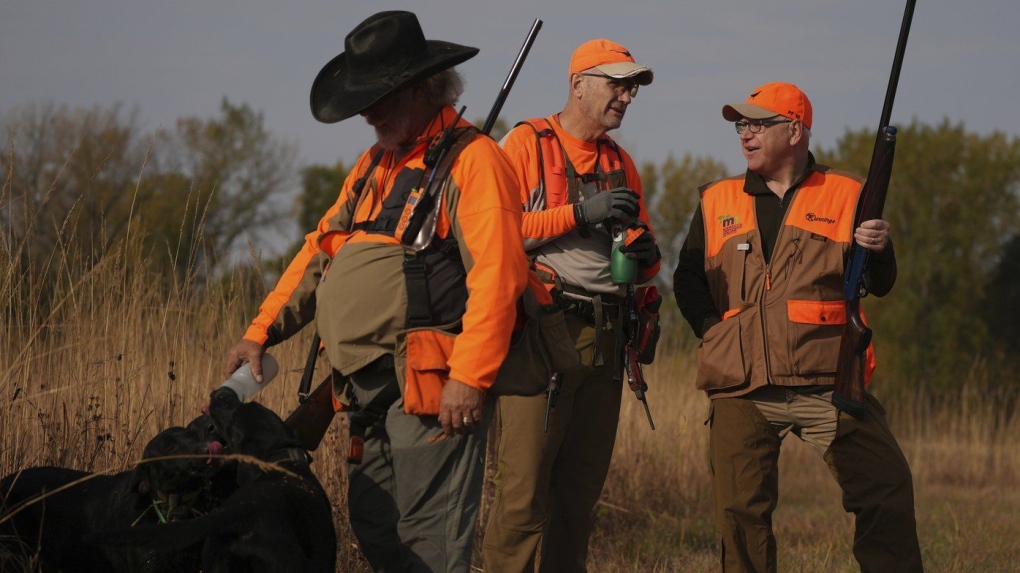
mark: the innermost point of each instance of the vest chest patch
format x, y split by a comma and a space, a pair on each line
731, 224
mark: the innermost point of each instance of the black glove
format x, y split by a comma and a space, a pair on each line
643, 250
615, 203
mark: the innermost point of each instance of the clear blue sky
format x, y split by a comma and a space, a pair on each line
179, 58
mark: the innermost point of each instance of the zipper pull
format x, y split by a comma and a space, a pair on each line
768, 279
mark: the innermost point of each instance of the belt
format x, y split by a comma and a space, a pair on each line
591, 308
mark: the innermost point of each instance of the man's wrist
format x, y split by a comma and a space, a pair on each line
709, 321
579, 215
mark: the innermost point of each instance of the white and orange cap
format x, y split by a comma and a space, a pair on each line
611, 59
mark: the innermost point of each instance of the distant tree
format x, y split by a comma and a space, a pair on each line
499, 127
71, 173
80, 181
953, 204
69, 178
1000, 311
238, 175
671, 195
320, 188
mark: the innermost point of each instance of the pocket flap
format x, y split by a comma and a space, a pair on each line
429, 349
817, 311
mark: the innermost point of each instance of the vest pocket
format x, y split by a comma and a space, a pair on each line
427, 371
816, 327
725, 353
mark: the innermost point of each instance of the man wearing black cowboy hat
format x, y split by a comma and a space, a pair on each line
425, 263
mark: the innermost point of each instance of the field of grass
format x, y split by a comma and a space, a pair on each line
113, 353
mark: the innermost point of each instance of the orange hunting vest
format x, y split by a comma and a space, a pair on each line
559, 178
782, 320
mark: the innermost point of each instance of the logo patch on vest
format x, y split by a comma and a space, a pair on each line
730, 225
818, 219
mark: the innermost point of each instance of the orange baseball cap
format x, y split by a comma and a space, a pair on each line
769, 100
611, 59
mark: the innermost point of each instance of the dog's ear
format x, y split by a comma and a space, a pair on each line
141, 481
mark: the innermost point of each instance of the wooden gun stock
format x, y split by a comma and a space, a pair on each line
849, 394
313, 415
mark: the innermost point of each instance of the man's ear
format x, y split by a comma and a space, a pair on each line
576, 81
795, 131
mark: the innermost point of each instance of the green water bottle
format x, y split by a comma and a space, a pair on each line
622, 271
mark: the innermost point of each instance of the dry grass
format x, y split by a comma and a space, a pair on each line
656, 514
115, 354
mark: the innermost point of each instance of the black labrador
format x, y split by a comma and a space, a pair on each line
278, 520
47, 512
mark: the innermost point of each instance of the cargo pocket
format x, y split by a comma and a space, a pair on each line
428, 353
816, 327
541, 346
722, 356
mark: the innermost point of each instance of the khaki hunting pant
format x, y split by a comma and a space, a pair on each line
414, 498
862, 455
547, 484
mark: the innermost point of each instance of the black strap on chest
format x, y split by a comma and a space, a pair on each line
359, 186
575, 181
435, 276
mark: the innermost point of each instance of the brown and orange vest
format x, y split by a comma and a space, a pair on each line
782, 320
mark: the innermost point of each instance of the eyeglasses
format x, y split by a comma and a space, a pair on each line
758, 125
620, 85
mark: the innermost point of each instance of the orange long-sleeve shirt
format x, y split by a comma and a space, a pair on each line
480, 208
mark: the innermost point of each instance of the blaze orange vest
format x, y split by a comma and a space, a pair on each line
559, 179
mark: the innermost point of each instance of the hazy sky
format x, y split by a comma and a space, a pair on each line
181, 57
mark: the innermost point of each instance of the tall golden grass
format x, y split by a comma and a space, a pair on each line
116, 352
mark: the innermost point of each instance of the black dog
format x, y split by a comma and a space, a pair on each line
279, 520
42, 525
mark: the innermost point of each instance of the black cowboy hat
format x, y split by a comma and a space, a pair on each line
383, 54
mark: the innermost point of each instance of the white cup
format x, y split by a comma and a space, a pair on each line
244, 384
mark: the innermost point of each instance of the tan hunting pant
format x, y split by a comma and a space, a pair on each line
547, 484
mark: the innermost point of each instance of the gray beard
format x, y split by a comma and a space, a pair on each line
397, 133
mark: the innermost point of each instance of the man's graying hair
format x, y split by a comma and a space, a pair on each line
443, 88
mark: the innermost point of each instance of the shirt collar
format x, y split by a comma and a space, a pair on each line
442, 120
754, 184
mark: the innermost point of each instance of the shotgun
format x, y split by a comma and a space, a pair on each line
511, 77
315, 412
849, 393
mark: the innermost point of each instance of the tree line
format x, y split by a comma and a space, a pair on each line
85, 182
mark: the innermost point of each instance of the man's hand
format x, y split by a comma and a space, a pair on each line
460, 407
618, 203
244, 351
643, 249
873, 235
